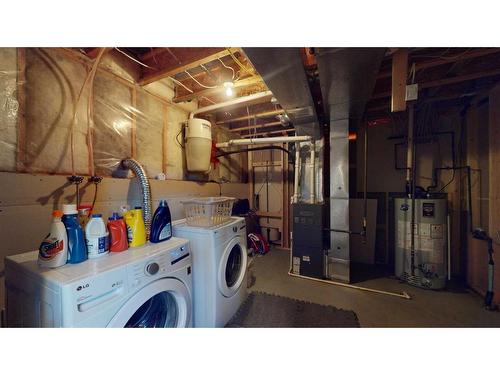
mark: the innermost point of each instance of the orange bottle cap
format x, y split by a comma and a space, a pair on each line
57, 213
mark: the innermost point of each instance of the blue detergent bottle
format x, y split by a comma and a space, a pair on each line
77, 250
161, 226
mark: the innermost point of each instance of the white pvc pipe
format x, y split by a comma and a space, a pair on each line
313, 173
297, 172
240, 100
254, 141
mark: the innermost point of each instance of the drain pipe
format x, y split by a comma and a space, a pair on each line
146, 190
240, 100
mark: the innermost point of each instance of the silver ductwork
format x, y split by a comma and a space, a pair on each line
283, 72
347, 78
134, 165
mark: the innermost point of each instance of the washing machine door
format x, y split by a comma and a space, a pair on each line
163, 303
232, 266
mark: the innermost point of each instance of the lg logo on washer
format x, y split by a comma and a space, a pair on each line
83, 286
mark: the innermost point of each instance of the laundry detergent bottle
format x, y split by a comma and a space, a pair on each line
77, 250
161, 226
136, 229
96, 237
117, 233
53, 251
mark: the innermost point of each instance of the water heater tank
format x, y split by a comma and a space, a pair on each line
430, 242
198, 145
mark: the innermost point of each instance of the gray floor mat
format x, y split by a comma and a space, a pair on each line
262, 310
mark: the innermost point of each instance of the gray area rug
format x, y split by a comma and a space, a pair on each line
262, 310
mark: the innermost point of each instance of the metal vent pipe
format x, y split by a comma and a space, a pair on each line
146, 190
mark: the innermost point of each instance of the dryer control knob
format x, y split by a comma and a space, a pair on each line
152, 268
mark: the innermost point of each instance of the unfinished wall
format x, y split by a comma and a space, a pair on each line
384, 178
125, 120
483, 155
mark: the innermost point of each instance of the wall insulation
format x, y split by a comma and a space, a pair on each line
8, 108
39, 90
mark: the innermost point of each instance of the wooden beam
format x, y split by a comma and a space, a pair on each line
248, 117
257, 126
399, 76
446, 81
448, 60
191, 62
217, 90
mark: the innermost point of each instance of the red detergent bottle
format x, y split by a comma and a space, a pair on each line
117, 233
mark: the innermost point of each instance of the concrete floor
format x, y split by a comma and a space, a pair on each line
425, 309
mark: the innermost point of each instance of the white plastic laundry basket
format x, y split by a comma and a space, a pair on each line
208, 212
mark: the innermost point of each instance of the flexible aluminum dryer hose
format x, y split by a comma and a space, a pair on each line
146, 190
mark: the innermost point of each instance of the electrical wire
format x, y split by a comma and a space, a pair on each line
181, 84
133, 59
177, 137
228, 67
93, 201
199, 83
240, 64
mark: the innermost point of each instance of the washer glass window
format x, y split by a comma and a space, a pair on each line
233, 265
159, 311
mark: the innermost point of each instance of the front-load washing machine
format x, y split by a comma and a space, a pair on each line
219, 269
148, 286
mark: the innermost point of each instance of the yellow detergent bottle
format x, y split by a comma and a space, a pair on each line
136, 230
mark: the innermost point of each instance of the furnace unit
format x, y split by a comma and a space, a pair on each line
308, 246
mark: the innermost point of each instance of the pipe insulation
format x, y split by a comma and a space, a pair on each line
134, 165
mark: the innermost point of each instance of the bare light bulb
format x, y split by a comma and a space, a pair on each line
229, 88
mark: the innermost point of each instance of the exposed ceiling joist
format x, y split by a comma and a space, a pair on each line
248, 117
217, 90
446, 81
196, 57
443, 61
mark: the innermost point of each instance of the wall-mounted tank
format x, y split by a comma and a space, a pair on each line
198, 137
430, 242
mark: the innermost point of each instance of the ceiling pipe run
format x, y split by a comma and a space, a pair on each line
241, 100
296, 140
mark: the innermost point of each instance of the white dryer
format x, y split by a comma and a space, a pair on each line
148, 286
219, 269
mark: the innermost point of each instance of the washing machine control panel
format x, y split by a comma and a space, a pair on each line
157, 265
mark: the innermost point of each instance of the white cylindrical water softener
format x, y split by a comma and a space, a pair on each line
96, 236
198, 145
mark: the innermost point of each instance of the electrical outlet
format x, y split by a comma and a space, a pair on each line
411, 92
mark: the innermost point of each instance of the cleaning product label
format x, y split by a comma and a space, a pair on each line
97, 246
50, 247
166, 232
129, 234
